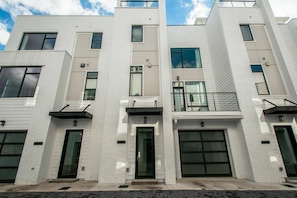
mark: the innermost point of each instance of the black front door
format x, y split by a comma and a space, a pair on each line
288, 147
70, 154
145, 153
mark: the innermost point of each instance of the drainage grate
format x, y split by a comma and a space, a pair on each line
64, 188
289, 185
123, 186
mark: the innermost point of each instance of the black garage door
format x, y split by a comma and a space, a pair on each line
11, 147
204, 153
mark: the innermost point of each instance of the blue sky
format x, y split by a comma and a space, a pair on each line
178, 11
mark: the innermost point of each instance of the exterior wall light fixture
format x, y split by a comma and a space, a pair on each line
144, 120
281, 118
148, 63
2, 122
202, 124
74, 122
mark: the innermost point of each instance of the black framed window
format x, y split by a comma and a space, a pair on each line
91, 85
260, 80
96, 41
11, 147
246, 32
38, 41
137, 33
18, 81
135, 81
185, 58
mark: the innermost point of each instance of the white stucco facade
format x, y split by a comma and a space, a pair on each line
166, 131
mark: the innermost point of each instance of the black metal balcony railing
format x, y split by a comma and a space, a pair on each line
219, 101
139, 3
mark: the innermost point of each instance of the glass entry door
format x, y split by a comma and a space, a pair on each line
288, 146
145, 153
70, 154
179, 99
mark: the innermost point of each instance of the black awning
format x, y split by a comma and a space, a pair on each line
281, 110
71, 114
134, 111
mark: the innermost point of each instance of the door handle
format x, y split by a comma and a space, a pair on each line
138, 155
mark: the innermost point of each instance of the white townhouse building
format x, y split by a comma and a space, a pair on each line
125, 98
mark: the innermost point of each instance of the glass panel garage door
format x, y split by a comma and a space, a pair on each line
11, 147
204, 153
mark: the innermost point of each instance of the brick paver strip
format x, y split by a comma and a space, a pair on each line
153, 194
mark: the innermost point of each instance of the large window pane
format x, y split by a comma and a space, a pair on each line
246, 33
190, 146
91, 86
189, 136
12, 149
260, 81
137, 34
213, 136
11, 80
214, 146
185, 58
32, 41
193, 169
8, 174
189, 58
216, 157
18, 81
192, 158
29, 85
196, 95
136, 81
15, 138
38, 41
49, 44
9, 161
218, 169
96, 41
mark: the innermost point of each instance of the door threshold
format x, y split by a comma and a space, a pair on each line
292, 180
147, 182
63, 180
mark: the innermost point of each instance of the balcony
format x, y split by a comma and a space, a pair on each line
197, 102
205, 106
236, 3
139, 3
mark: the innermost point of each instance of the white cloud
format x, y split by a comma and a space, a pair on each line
284, 8
200, 9
281, 8
4, 34
56, 7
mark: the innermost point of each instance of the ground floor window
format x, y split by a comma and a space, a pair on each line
11, 147
204, 153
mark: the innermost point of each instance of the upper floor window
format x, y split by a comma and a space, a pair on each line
137, 33
135, 81
18, 81
38, 41
185, 58
91, 85
96, 41
260, 80
246, 33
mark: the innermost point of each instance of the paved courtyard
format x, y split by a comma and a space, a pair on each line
196, 187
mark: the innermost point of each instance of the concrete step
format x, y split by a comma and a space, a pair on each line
146, 182
63, 180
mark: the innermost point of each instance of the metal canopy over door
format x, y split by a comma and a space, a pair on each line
70, 154
145, 153
204, 153
288, 147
